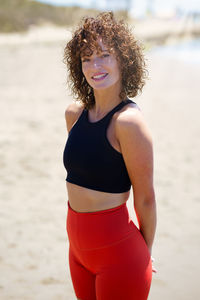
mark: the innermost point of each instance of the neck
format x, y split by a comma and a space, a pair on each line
105, 100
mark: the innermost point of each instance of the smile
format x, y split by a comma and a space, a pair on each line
99, 77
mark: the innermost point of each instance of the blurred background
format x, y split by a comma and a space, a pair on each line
33, 99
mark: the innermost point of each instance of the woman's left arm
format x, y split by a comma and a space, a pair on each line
137, 150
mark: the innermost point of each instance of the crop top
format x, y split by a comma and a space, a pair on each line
90, 159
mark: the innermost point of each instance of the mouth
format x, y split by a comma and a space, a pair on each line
99, 76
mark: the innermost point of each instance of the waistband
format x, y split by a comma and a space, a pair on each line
100, 212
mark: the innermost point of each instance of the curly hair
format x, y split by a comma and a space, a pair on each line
115, 35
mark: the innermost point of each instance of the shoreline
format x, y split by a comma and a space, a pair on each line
152, 31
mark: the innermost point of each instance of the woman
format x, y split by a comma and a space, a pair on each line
108, 150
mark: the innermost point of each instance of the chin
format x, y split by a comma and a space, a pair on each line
102, 86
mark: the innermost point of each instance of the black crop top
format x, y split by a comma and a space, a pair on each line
89, 158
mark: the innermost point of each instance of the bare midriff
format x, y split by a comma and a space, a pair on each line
82, 199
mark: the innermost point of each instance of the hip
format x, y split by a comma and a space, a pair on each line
99, 229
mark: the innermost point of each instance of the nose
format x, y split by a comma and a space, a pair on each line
96, 62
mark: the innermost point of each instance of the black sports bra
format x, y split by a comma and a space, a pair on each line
89, 158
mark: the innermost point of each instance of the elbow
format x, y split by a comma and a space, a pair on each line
150, 200
147, 201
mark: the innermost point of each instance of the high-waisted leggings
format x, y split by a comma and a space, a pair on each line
108, 257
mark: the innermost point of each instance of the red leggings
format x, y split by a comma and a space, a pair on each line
108, 256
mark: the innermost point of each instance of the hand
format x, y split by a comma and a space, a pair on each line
153, 269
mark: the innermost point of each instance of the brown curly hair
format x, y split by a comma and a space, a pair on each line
115, 35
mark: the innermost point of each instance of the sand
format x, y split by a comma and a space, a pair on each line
33, 198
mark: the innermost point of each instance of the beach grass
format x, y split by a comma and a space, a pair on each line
19, 15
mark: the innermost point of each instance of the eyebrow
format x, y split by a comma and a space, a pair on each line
85, 55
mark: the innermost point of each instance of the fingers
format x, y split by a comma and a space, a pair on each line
154, 270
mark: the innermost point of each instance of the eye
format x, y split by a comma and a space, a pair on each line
105, 55
85, 60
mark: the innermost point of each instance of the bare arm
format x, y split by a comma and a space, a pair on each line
72, 114
136, 146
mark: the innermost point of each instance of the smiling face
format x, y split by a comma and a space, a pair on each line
101, 69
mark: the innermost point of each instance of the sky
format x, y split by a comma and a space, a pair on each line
138, 7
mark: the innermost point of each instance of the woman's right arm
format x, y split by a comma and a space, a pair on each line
72, 113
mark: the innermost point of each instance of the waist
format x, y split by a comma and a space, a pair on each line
82, 199
94, 230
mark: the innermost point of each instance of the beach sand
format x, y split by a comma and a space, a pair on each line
33, 197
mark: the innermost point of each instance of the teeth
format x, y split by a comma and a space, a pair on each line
99, 76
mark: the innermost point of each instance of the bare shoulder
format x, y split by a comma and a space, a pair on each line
72, 113
130, 120
136, 147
